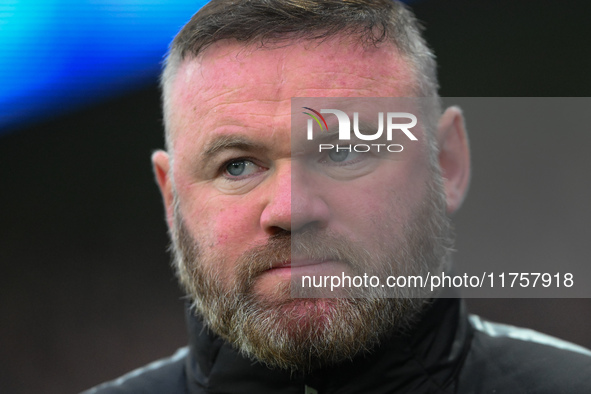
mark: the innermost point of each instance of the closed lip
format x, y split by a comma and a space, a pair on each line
297, 263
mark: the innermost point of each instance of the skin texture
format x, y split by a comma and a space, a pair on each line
234, 92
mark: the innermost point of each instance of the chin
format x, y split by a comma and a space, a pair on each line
308, 315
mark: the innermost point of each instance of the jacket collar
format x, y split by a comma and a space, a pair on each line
427, 359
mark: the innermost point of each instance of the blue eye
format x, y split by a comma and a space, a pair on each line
338, 156
236, 168
344, 156
241, 168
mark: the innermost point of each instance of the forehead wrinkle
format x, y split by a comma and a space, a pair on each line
270, 101
218, 95
334, 73
229, 91
244, 118
239, 116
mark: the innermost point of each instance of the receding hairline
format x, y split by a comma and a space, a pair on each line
238, 48
268, 24
369, 21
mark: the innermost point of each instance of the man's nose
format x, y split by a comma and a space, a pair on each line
295, 202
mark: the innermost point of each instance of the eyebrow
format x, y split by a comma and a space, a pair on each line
225, 142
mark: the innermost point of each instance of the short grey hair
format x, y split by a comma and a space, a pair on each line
266, 22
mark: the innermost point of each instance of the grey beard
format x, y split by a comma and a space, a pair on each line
302, 334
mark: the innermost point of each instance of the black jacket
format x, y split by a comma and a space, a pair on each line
448, 352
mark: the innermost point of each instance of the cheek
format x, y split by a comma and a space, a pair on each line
382, 202
233, 225
225, 225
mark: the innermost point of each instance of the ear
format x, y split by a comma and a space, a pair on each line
454, 157
161, 165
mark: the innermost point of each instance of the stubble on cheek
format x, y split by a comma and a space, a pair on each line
301, 334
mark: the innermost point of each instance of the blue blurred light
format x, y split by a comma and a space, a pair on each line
60, 54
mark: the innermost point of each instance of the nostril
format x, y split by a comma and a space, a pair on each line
309, 227
275, 231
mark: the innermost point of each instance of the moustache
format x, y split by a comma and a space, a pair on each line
285, 248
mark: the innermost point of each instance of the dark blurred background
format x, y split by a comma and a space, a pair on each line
86, 289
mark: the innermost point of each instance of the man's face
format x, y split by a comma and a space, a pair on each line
239, 196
